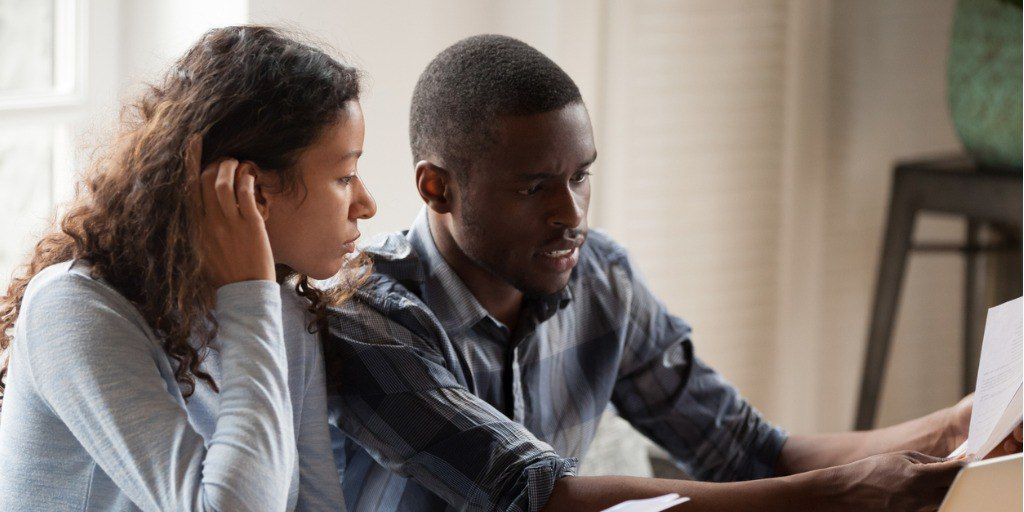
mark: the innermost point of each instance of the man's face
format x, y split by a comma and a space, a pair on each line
522, 211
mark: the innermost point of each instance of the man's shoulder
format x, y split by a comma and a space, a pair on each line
397, 270
380, 305
391, 249
387, 308
601, 254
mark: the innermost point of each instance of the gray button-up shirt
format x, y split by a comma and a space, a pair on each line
441, 407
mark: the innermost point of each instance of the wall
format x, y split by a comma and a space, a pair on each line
393, 41
746, 149
888, 102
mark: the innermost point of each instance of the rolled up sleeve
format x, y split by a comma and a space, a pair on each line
681, 403
412, 416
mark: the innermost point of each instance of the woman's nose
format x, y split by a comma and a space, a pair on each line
364, 206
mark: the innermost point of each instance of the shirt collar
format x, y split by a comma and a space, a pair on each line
443, 291
449, 298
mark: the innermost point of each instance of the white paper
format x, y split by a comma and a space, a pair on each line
648, 505
997, 395
1004, 427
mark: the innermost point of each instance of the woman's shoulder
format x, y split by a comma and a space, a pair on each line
301, 345
68, 290
72, 280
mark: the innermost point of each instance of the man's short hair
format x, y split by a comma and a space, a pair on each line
471, 83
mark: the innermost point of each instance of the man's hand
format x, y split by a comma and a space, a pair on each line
902, 481
960, 421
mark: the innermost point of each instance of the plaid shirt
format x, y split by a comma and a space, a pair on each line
442, 408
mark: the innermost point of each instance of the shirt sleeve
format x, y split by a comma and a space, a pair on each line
319, 486
93, 364
411, 415
681, 403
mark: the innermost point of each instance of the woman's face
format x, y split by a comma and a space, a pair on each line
313, 227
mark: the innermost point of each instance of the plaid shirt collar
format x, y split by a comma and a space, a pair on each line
447, 296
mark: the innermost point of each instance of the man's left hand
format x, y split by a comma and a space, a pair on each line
959, 424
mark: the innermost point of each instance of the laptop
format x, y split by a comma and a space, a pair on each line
992, 485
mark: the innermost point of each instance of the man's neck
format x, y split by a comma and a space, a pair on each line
502, 300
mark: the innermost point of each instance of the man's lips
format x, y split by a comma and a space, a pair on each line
562, 247
560, 256
558, 253
559, 260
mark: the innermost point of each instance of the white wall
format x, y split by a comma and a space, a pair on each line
156, 32
393, 41
771, 128
888, 102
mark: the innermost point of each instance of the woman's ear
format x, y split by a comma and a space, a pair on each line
434, 184
264, 180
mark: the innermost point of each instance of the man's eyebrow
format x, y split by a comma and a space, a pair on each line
589, 161
536, 176
543, 174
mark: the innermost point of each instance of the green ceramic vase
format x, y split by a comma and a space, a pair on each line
984, 73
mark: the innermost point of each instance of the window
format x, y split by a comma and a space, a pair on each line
41, 94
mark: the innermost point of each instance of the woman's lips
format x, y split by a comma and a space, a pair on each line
350, 246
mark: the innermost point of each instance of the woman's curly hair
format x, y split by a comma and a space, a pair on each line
251, 93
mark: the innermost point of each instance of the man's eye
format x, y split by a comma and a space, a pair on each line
345, 180
580, 177
530, 191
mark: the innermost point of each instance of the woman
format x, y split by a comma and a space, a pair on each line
156, 362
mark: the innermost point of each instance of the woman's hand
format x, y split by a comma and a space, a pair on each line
234, 238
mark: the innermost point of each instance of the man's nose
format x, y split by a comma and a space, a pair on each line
568, 210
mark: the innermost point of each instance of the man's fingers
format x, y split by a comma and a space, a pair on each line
1011, 445
225, 188
949, 467
922, 458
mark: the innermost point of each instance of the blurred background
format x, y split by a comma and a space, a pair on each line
747, 151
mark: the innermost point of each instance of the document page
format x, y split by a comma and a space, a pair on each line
649, 505
997, 395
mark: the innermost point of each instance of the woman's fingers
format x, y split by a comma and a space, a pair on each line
238, 248
225, 188
247, 196
208, 180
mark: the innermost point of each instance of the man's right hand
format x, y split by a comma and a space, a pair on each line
901, 481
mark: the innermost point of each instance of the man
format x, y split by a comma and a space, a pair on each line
478, 359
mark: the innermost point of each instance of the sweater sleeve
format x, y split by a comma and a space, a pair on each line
93, 364
319, 483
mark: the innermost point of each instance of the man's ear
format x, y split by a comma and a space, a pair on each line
434, 184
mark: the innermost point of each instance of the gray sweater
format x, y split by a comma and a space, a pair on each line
93, 419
